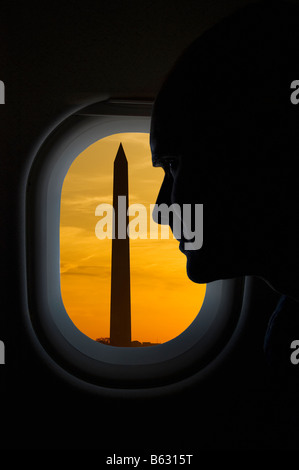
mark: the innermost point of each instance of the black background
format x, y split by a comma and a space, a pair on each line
56, 57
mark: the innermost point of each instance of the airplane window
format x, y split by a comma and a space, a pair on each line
68, 264
158, 289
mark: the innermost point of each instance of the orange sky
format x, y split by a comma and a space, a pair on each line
164, 301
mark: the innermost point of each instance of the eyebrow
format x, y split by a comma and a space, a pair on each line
159, 160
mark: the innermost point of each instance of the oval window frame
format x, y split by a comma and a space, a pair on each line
76, 356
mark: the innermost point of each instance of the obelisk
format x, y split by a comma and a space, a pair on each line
120, 307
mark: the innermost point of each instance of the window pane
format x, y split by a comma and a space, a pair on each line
163, 300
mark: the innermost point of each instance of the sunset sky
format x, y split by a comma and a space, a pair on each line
164, 301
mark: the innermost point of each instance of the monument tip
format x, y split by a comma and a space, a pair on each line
120, 156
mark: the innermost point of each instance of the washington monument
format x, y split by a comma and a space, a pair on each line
120, 310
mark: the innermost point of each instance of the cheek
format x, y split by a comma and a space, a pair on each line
184, 188
198, 183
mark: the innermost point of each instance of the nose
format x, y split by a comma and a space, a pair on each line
164, 197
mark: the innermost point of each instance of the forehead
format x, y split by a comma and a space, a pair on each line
184, 138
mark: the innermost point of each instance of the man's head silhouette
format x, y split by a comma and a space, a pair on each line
227, 134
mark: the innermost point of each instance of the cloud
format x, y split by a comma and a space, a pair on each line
101, 272
78, 179
85, 203
139, 138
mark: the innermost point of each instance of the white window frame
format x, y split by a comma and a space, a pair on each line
188, 357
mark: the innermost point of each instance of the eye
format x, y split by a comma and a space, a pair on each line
170, 166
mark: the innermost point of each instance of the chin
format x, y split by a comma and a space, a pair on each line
197, 273
202, 271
